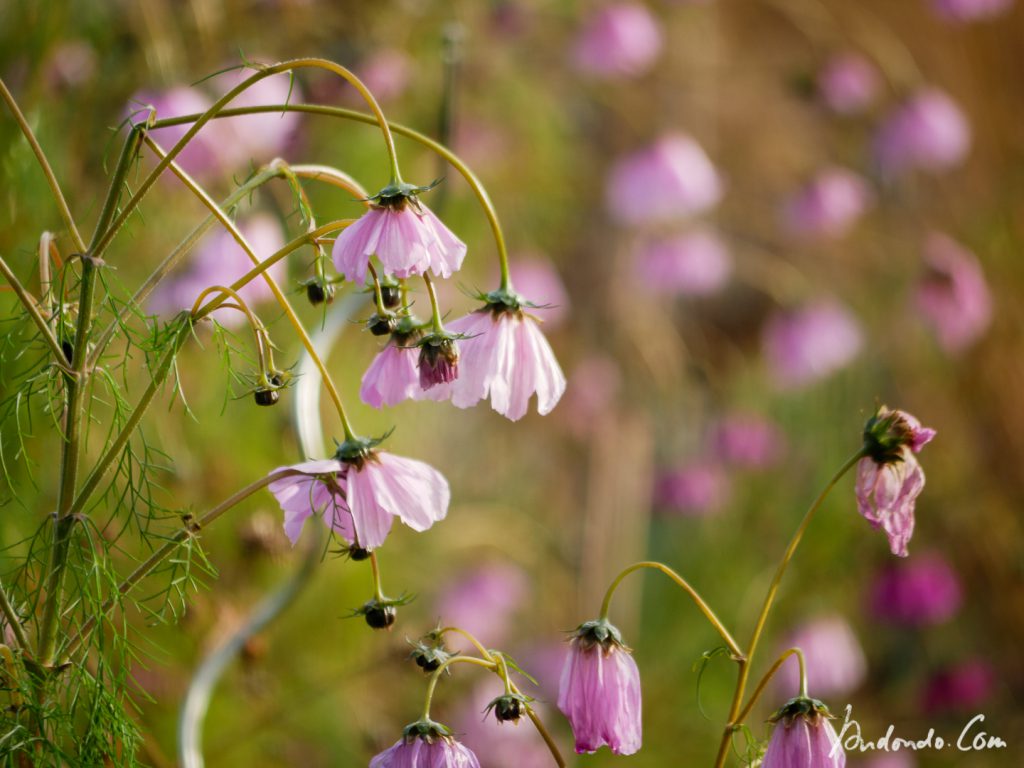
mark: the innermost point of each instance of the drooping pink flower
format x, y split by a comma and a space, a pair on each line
434, 748
504, 356
405, 235
372, 487
220, 260
835, 660
970, 10
484, 601
828, 206
748, 441
693, 490
927, 132
889, 477
953, 296
394, 374
803, 738
696, 263
600, 691
918, 592
810, 343
848, 83
619, 40
670, 180
962, 687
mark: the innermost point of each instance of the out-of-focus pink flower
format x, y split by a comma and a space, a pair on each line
600, 691
953, 295
960, 688
917, 592
259, 138
386, 72
405, 235
810, 343
848, 83
970, 10
693, 490
535, 276
435, 752
828, 206
670, 180
927, 132
696, 263
319, 490
748, 441
803, 738
484, 601
619, 40
835, 660
201, 156
889, 477
220, 260
593, 385
71, 64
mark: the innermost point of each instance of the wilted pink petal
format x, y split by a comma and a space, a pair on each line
921, 591
696, 489
319, 489
619, 40
927, 132
696, 263
748, 441
970, 10
392, 376
808, 344
886, 494
848, 83
804, 742
953, 296
670, 180
835, 661
828, 206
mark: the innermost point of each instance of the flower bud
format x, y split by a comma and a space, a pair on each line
379, 616
319, 291
391, 296
439, 360
429, 658
266, 396
508, 708
380, 325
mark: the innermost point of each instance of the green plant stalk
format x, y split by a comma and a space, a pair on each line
33, 312
745, 712
13, 620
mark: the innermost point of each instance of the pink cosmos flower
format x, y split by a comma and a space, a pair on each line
370, 487
670, 180
810, 343
918, 592
440, 751
600, 691
848, 83
748, 441
835, 660
970, 10
953, 296
927, 132
889, 478
828, 206
804, 738
484, 601
619, 40
962, 687
404, 234
696, 263
693, 490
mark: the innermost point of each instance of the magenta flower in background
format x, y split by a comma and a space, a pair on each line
805, 345
404, 235
970, 10
670, 180
201, 156
959, 688
803, 737
618, 40
257, 139
889, 477
696, 263
318, 489
835, 660
902, 759
848, 83
953, 295
918, 592
484, 601
600, 690
748, 441
386, 72
828, 206
693, 490
504, 745
432, 751
927, 132
219, 260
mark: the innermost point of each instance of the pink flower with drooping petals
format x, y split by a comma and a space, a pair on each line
835, 659
848, 83
372, 488
810, 343
918, 592
828, 206
693, 490
804, 739
619, 40
927, 132
600, 691
670, 180
440, 752
970, 10
962, 687
394, 375
953, 296
407, 238
696, 263
504, 356
484, 601
748, 441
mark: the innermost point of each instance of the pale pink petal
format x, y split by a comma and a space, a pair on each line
372, 523
411, 490
392, 377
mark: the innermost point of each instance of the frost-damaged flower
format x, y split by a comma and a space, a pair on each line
810, 343
426, 744
803, 737
372, 487
619, 40
696, 263
970, 10
917, 593
403, 233
835, 660
848, 83
953, 295
669, 180
600, 690
828, 206
504, 355
927, 132
889, 478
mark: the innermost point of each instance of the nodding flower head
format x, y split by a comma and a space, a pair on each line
430, 653
600, 690
509, 707
438, 360
426, 744
803, 737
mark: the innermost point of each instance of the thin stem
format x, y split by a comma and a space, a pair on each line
435, 310
378, 591
254, 322
703, 606
436, 674
378, 297
469, 636
13, 619
544, 734
32, 308
745, 712
51, 177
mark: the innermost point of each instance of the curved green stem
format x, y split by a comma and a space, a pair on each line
436, 674
435, 310
703, 606
745, 712
470, 637
378, 590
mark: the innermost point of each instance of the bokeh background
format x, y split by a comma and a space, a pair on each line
755, 220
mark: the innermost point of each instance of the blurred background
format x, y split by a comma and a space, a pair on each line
754, 221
